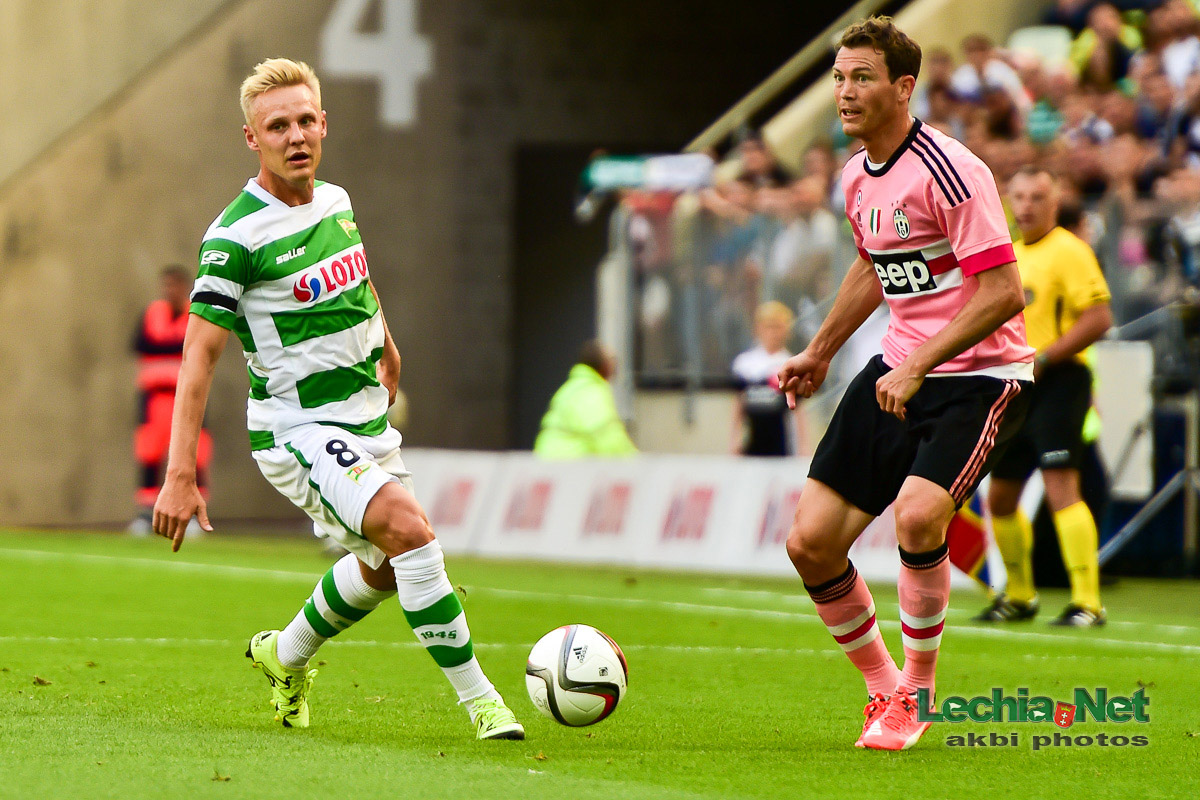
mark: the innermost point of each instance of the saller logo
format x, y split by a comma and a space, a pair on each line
904, 273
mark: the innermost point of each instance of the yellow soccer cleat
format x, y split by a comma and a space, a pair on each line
289, 687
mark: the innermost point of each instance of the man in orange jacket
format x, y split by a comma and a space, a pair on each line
159, 344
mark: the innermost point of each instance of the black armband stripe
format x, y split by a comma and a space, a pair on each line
215, 299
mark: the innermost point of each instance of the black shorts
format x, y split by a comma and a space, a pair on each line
1052, 436
955, 430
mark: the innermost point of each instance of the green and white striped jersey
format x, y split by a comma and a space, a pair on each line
291, 282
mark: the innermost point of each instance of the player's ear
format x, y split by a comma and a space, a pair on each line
906, 84
251, 141
324, 124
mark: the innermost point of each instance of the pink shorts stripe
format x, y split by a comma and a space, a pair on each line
987, 439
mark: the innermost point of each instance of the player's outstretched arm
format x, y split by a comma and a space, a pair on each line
180, 500
858, 296
1091, 325
388, 369
997, 299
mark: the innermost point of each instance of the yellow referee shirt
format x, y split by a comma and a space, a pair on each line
1062, 279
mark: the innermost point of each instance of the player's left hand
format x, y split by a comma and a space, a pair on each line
896, 388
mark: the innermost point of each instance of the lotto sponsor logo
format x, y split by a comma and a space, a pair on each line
607, 509
452, 501
904, 273
330, 277
527, 506
217, 257
688, 515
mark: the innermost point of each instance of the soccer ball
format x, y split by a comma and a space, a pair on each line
576, 675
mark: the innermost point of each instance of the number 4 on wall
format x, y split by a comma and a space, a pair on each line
397, 55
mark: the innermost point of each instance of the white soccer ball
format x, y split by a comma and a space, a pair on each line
576, 675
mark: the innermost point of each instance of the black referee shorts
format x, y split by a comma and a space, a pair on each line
1052, 436
956, 428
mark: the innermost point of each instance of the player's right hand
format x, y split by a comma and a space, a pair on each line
178, 501
801, 375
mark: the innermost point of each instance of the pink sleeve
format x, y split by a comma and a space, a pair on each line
858, 242
976, 226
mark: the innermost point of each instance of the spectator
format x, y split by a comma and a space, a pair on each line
1102, 52
759, 164
983, 70
1176, 23
937, 67
582, 419
763, 425
799, 257
1156, 104
1070, 14
158, 342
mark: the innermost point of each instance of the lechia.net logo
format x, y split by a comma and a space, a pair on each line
1085, 705
326, 279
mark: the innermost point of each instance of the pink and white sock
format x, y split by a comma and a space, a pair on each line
924, 588
848, 611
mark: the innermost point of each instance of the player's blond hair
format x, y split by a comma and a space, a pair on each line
273, 74
774, 311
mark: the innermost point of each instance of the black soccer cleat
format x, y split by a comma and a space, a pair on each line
1003, 609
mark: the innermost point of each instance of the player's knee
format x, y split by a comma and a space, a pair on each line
809, 552
400, 524
920, 526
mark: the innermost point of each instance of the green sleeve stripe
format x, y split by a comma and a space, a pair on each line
298, 455
214, 314
335, 601
447, 656
234, 267
372, 428
443, 612
258, 386
318, 623
242, 329
330, 235
243, 205
339, 383
329, 316
261, 440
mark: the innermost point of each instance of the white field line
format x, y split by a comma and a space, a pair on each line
959, 613
986, 633
831, 653
225, 569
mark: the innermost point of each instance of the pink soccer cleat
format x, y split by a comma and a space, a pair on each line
876, 705
898, 728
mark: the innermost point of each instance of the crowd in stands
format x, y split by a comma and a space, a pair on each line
1105, 94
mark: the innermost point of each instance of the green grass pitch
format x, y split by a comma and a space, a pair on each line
122, 675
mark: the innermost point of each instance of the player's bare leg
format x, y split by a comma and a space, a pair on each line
824, 528
923, 511
395, 523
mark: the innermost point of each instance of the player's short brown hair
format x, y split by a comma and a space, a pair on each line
901, 54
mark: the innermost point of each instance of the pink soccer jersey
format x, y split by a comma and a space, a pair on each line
930, 220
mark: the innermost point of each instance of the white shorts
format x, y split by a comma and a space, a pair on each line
331, 475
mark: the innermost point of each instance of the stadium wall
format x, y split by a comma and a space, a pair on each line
132, 183
714, 514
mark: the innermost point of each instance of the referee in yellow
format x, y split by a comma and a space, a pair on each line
1066, 310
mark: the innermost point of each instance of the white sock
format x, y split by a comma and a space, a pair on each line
340, 599
438, 620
